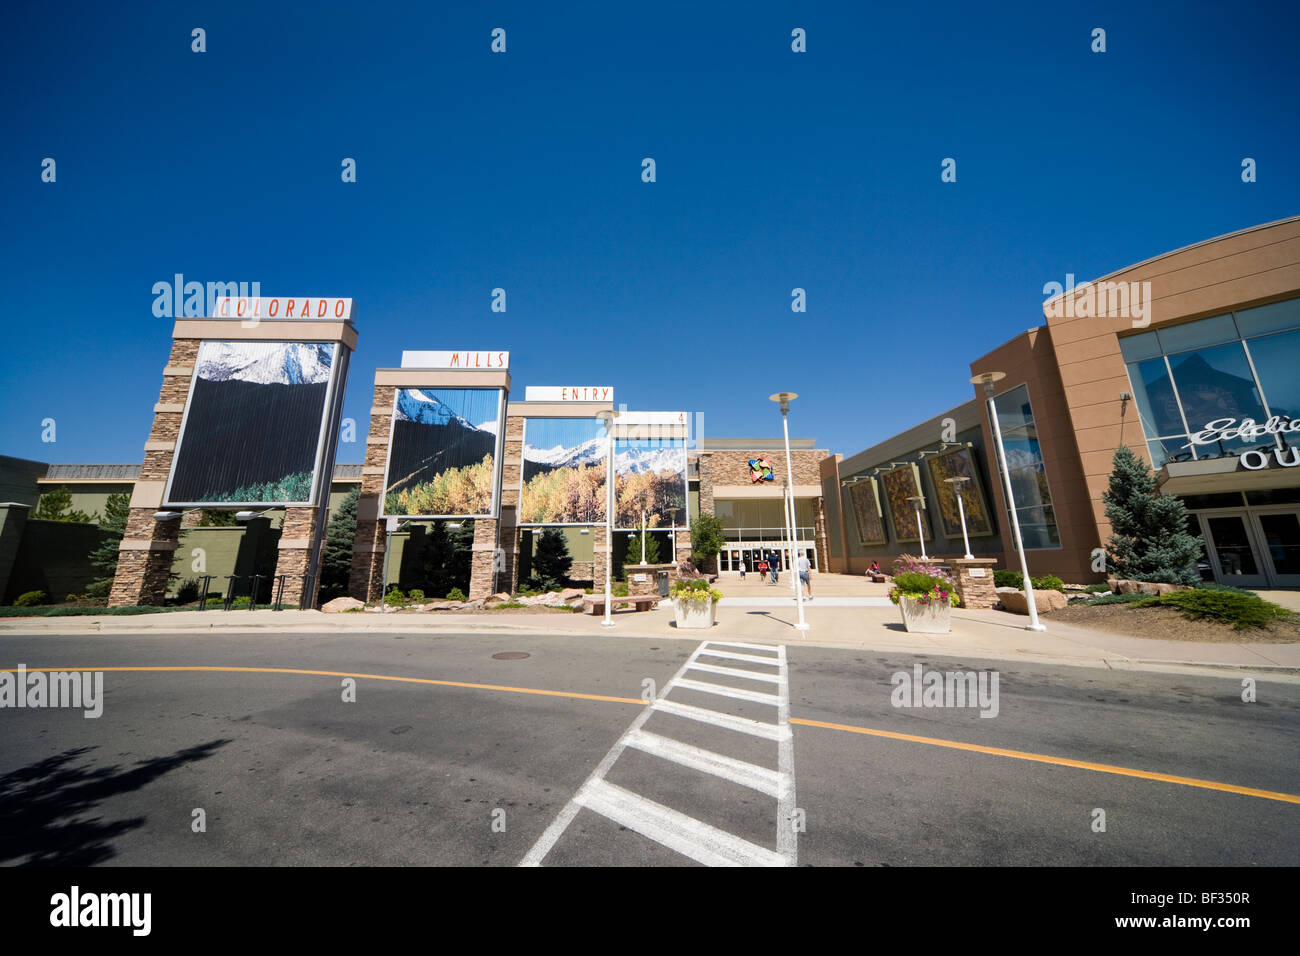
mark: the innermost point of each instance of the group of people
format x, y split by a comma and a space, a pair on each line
771, 566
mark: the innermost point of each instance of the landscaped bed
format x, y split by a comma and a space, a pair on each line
1205, 616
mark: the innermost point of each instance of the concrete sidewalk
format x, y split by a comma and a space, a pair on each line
989, 635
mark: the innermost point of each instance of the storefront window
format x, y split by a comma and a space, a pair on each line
1024, 463
1216, 383
1277, 361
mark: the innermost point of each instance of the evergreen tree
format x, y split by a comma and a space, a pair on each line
56, 505
336, 557
104, 558
634, 549
706, 540
1149, 539
551, 560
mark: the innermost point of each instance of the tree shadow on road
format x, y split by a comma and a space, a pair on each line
47, 807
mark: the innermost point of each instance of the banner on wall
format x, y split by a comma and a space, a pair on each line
864, 499
960, 463
254, 430
563, 471
444, 452
900, 484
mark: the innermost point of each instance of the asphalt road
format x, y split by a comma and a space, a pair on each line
726, 768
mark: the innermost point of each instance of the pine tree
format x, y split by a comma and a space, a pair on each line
1149, 539
551, 560
56, 505
336, 558
104, 558
634, 549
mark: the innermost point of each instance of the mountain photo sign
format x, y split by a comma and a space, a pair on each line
254, 424
443, 453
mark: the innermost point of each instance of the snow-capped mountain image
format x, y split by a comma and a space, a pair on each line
424, 408
265, 363
588, 453
632, 460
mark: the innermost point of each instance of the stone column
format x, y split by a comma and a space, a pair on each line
600, 556
511, 482
144, 557
481, 576
298, 541
975, 581
365, 581
823, 536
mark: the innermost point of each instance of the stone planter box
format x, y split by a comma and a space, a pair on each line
694, 613
925, 617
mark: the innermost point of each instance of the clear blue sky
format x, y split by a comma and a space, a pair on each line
522, 170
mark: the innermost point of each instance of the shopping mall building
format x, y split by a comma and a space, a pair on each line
1191, 358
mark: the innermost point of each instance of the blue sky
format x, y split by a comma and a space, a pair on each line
522, 170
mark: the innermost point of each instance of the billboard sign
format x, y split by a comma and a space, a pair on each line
444, 452
563, 471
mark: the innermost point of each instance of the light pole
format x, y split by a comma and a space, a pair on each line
608, 418
987, 379
784, 399
787, 508
958, 483
643, 560
917, 501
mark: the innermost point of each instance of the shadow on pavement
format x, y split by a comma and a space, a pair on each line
47, 808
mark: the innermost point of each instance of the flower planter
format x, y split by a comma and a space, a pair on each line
926, 617
694, 613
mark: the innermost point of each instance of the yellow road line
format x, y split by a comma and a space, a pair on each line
404, 680
868, 731
1059, 761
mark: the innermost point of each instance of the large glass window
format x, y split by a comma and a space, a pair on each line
1024, 463
1236, 366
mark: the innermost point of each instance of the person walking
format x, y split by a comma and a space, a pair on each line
742, 570
805, 576
774, 564
761, 567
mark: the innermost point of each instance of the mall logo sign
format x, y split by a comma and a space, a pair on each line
1118, 300
1226, 429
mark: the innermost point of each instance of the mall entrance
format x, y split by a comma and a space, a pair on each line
751, 552
1253, 546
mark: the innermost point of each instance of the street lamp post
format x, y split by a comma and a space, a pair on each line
643, 560
987, 379
958, 483
787, 509
608, 418
784, 399
917, 501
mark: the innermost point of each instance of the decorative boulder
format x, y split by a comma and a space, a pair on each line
569, 595
1151, 588
495, 599
1015, 601
341, 604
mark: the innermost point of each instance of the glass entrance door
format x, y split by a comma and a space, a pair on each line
1232, 553
1279, 531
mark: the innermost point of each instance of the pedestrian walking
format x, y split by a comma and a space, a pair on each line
805, 575
742, 570
775, 565
762, 569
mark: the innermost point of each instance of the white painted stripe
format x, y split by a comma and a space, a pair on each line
752, 647
741, 725
685, 835
770, 782
731, 655
722, 690
787, 839
735, 672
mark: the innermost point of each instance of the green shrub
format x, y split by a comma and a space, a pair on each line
1242, 611
1114, 599
1008, 579
1048, 582
510, 604
619, 589
188, 592
395, 598
240, 602
31, 599
1097, 588
455, 594
416, 595
62, 611
920, 582
1210, 586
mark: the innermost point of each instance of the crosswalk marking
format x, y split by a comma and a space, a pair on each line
731, 655
671, 828
737, 672
752, 647
690, 837
722, 690
770, 782
741, 725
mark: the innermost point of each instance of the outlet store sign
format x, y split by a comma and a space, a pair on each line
1254, 459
